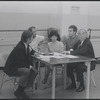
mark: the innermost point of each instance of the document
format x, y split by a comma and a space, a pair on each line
71, 56
56, 55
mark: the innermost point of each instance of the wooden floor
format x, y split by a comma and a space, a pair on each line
61, 93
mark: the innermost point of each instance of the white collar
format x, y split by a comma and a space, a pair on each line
25, 45
82, 42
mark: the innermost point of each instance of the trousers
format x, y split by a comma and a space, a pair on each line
79, 69
27, 77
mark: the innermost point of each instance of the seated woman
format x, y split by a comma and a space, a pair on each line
53, 46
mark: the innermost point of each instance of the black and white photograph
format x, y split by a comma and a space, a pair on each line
49, 49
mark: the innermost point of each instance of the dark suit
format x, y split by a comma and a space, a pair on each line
18, 62
86, 49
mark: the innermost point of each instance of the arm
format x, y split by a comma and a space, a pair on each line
82, 50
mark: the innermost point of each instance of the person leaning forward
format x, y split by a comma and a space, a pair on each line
19, 64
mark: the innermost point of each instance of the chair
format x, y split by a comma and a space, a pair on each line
5, 77
91, 77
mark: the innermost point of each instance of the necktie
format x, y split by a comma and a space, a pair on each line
79, 46
28, 49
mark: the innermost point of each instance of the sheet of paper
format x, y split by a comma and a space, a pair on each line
71, 56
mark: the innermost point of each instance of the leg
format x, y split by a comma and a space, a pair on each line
22, 84
79, 70
47, 75
31, 78
70, 74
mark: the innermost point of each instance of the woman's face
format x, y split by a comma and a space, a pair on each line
54, 38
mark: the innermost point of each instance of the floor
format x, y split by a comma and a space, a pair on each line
45, 93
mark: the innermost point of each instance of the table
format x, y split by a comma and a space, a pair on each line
64, 60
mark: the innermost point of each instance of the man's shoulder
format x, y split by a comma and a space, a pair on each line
20, 45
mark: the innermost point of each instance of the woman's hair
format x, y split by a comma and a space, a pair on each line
32, 27
54, 33
25, 35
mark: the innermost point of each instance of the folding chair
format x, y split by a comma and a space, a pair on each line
5, 77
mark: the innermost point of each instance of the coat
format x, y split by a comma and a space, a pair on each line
86, 49
18, 58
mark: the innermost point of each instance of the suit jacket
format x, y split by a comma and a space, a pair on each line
18, 58
86, 49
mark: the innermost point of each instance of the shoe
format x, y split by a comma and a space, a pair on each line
24, 96
18, 95
71, 86
80, 89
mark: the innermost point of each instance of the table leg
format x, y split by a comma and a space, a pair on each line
53, 82
39, 71
65, 65
88, 80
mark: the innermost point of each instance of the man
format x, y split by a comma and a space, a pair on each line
18, 64
70, 45
72, 39
84, 48
37, 41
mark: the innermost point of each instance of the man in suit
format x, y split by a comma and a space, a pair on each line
84, 48
18, 64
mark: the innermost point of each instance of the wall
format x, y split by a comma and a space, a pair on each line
44, 14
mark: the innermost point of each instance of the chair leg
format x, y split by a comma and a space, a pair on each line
92, 76
2, 82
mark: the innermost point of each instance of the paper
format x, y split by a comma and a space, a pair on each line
71, 56
56, 55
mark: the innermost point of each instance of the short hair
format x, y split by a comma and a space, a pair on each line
54, 33
74, 28
83, 31
25, 35
30, 28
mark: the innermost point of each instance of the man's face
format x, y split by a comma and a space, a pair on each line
33, 30
29, 40
71, 32
81, 35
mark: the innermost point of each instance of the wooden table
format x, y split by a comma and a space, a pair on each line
53, 61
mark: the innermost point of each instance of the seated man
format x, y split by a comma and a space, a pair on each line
18, 64
84, 48
38, 40
72, 38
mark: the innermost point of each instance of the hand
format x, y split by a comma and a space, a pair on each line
34, 69
65, 52
36, 54
71, 49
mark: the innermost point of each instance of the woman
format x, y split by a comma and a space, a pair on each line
55, 45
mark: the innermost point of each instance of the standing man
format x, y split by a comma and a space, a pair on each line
84, 48
18, 64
